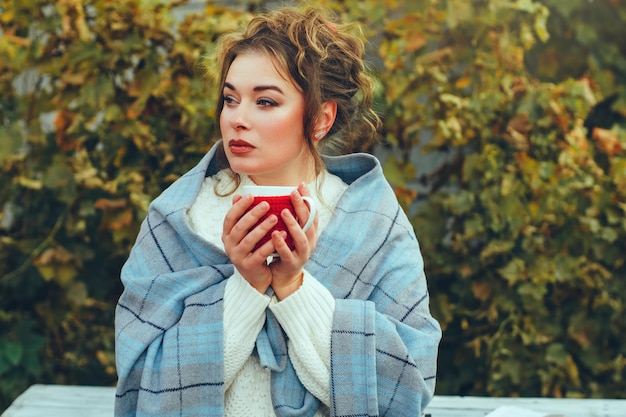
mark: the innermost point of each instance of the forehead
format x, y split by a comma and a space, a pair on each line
258, 68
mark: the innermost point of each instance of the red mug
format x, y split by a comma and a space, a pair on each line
279, 198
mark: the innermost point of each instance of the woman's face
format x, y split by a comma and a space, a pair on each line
262, 123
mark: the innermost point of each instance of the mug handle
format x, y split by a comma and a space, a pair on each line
312, 212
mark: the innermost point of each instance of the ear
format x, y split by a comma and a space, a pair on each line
325, 120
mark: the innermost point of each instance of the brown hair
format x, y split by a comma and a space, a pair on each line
324, 60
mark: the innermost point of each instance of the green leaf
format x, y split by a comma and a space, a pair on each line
513, 271
31, 363
394, 173
556, 353
60, 178
460, 203
496, 247
11, 140
458, 11
13, 352
565, 8
532, 291
58, 175
5, 365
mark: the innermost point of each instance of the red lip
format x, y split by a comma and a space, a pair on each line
239, 147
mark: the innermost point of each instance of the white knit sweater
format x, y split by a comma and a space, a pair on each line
305, 316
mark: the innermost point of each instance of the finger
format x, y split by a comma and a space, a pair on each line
239, 207
303, 189
253, 236
280, 244
248, 219
304, 242
240, 234
301, 207
300, 239
311, 234
266, 250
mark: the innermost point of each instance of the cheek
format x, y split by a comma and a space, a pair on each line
223, 122
287, 122
272, 125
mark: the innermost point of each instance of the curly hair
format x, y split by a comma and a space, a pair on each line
325, 60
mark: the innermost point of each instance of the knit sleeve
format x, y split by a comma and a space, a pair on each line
306, 317
244, 316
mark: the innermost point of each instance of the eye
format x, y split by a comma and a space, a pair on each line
229, 100
266, 102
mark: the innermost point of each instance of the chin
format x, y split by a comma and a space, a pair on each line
241, 171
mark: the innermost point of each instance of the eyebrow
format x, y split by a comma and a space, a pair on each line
257, 88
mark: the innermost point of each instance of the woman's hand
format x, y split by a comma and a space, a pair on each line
287, 271
239, 241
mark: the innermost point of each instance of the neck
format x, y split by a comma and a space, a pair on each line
306, 173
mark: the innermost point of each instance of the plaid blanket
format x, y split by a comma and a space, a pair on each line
169, 333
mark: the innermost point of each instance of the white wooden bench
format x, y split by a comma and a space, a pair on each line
85, 401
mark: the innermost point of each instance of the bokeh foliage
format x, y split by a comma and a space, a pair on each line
517, 194
522, 222
102, 108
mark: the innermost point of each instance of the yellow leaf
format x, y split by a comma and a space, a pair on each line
103, 357
572, 371
17, 40
61, 274
76, 293
121, 220
55, 256
533, 207
508, 183
7, 15
64, 274
462, 82
607, 141
74, 79
466, 271
481, 290
415, 41
47, 272
110, 204
29, 183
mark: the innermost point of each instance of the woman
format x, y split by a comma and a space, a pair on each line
340, 325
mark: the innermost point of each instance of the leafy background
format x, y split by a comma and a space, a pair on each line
504, 138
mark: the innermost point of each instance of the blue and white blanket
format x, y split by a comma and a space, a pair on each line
169, 332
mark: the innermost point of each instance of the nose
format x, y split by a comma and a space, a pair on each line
238, 117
